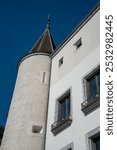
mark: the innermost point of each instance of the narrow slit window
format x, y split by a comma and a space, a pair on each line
44, 77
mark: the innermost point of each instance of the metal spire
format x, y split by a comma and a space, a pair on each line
48, 22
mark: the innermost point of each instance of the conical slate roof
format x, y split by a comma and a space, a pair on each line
45, 44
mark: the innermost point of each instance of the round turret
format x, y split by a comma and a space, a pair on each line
26, 124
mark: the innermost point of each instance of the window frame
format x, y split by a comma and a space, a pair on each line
60, 125
60, 105
87, 82
89, 105
90, 136
69, 146
93, 144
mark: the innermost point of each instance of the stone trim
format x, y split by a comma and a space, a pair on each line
59, 126
71, 145
89, 107
89, 136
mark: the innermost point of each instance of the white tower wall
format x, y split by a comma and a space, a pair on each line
25, 128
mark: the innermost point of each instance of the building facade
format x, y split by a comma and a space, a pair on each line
74, 98
55, 105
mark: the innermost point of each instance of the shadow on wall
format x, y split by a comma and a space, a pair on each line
1, 133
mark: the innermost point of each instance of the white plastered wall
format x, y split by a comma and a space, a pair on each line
76, 65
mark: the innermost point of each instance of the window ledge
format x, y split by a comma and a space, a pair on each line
59, 126
89, 106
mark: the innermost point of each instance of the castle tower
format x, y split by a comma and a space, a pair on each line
26, 124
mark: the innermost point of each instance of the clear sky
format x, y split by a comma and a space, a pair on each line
21, 24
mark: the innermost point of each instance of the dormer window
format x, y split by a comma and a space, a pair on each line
78, 43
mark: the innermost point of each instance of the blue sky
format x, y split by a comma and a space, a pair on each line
21, 24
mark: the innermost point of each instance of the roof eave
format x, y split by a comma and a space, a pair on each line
75, 30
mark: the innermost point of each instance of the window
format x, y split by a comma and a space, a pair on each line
60, 61
64, 108
93, 139
78, 43
92, 91
37, 129
63, 118
96, 143
93, 86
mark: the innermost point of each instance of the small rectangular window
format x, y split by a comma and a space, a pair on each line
78, 43
60, 61
37, 129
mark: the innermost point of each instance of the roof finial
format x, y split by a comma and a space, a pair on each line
48, 22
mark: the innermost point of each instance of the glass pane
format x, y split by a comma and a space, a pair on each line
59, 111
68, 103
93, 88
65, 107
97, 143
98, 76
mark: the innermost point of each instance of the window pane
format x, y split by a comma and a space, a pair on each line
97, 143
98, 76
68, 103
93, 88
64, 108
59, 111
